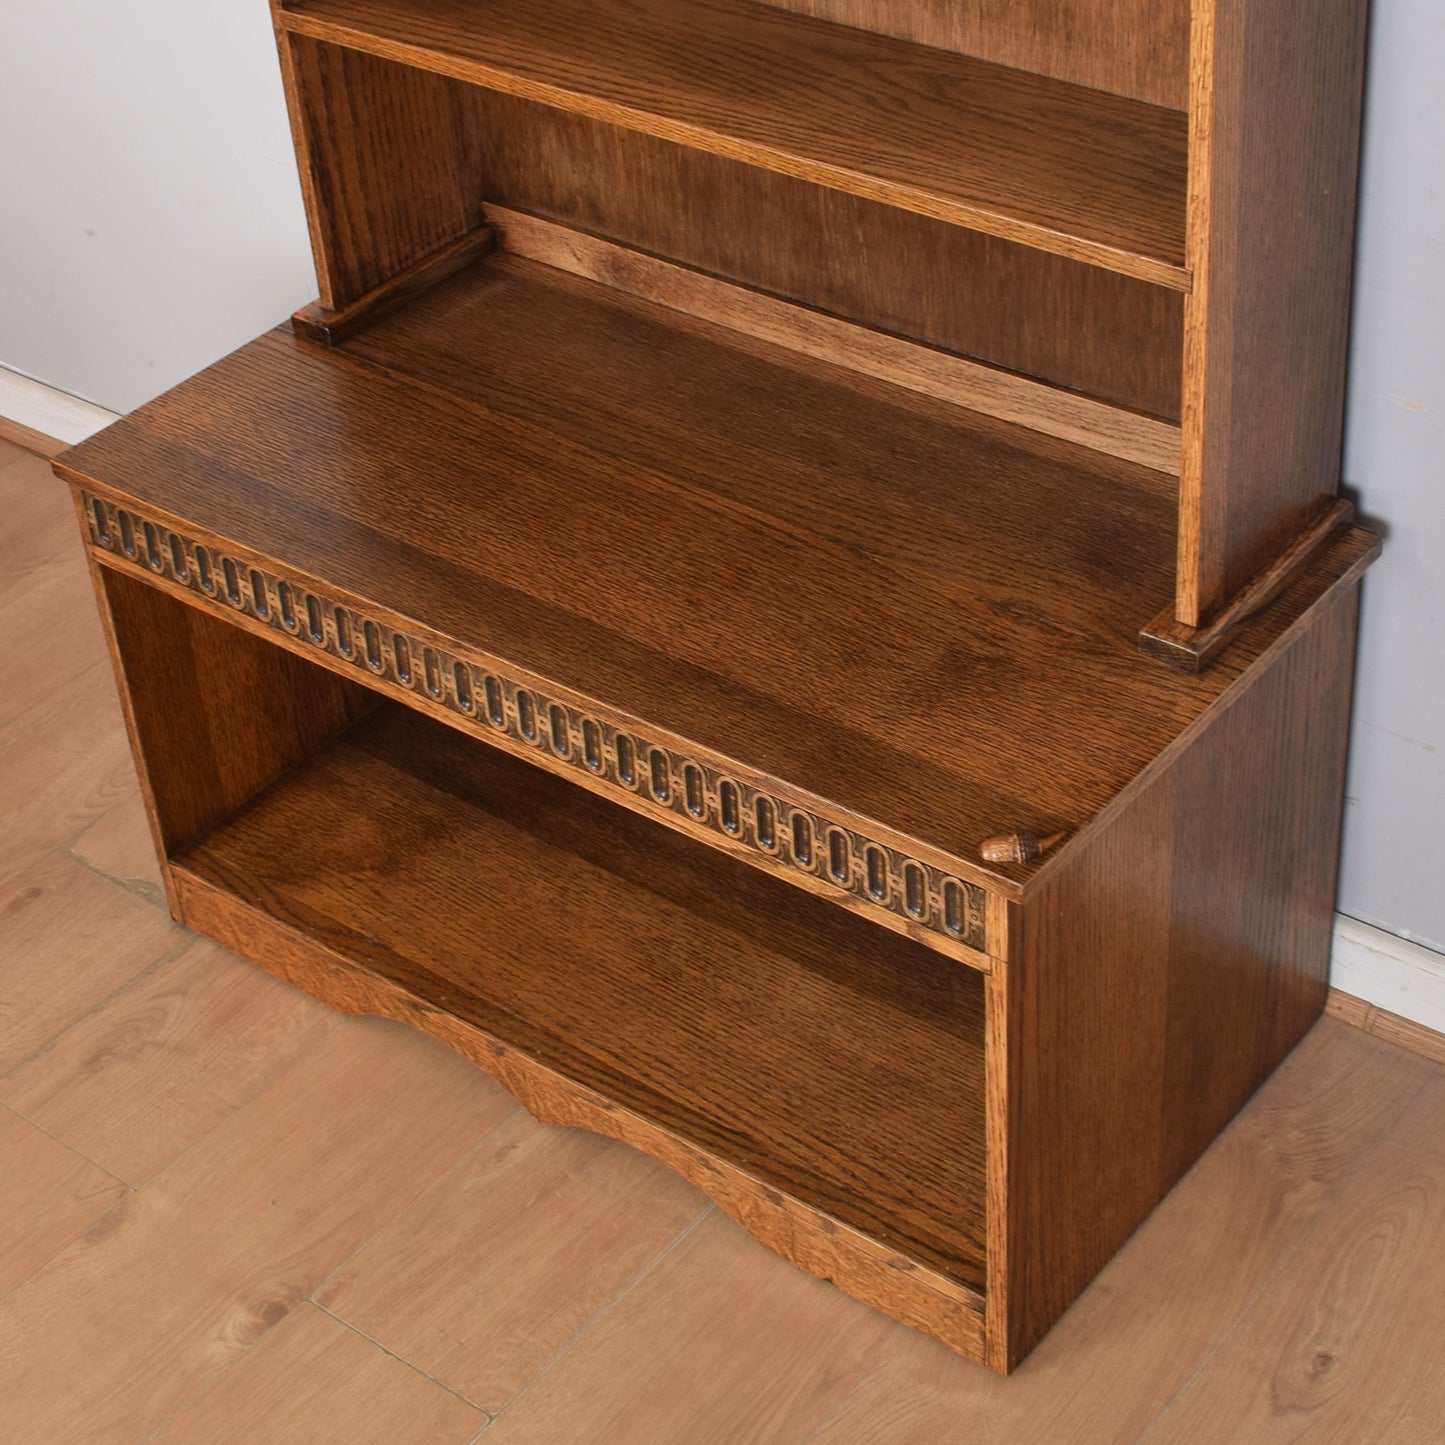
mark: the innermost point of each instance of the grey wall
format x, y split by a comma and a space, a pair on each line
1394, 860
150, 216
151, 221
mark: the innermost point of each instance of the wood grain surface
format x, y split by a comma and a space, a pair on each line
1158, 1311
933, 372
941, 609
52, 1196
44, 608
205, 751
623, 988
72, 741
120, 843
1165, 968
1100, 333
1193, 648
1274, 153
1078, 172
727, 1363
544, 1225
50, 911
1133, 47
812, 1240
138, 1081
386, 167
1343, 1344
314, 1379
232, 1237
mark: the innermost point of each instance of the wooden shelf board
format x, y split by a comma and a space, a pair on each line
925, 617
1060, 167
700, 994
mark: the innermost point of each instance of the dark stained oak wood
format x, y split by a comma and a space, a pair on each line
1192, 649
923, 644
1078, 172
852, 385
1103, 334
760, 821
204, 751
1275, 99
319, 323
1100, 333
1165, 968
388, 167
436, 864
929, 370
1132, 47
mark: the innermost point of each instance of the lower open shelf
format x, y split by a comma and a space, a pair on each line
830, 1060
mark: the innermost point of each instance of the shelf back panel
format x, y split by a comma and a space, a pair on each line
1094, 331
1138, 48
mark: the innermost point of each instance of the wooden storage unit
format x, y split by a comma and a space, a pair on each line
740, 463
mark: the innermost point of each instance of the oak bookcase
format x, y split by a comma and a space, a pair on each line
788, 598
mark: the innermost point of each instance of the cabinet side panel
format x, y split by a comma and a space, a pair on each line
1274, 150
1166, 968
1132, 47
1093, 331
1256, 863
388, 161
216, 714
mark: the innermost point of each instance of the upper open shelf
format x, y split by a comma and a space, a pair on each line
1059, 167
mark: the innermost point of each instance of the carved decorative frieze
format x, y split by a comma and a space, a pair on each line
795, 842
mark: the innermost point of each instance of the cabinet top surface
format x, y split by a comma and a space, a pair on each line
921, 615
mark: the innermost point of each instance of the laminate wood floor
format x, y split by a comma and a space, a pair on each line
229, 1215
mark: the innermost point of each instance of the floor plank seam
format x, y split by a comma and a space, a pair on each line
401, 1359
100, 665
141, 888
70, 1243
657, 1260
65, 1144
1342, 1184
260, 1093
413, 1203
169, 955
209, 1384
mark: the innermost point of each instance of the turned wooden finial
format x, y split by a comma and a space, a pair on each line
1017, 847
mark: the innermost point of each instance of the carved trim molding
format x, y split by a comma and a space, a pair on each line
800, 844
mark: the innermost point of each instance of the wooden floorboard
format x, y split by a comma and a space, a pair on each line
343, 1232
543, 1225
69, 939
313, 1379
52, 1196
138, 1081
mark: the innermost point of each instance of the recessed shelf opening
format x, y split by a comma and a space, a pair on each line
849, 1073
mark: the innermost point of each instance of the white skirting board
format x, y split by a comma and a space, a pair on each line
50, 412
1388, 971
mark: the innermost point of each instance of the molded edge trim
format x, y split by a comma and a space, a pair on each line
316, 323
1192, 649
930, 371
